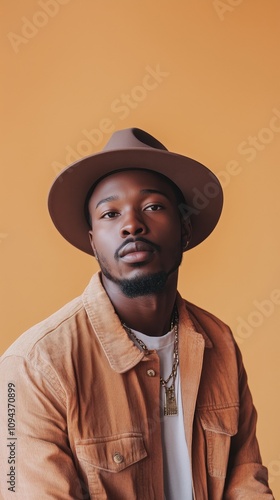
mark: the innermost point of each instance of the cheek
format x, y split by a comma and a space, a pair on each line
100, 236
105, 244
172, 232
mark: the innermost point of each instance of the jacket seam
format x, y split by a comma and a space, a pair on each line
51, 330
218, 407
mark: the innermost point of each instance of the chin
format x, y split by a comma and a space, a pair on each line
143, 284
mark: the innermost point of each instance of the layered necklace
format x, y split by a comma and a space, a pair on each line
170, 404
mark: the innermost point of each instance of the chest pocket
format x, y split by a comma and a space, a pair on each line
219, 426
112, 454
110, 465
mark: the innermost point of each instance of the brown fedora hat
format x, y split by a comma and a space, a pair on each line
127, 149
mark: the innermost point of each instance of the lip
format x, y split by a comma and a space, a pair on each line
138, 251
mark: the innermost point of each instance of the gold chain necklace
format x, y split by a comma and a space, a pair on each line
170, 404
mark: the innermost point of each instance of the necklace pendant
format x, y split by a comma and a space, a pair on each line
170, 406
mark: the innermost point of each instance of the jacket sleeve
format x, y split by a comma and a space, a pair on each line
35, 456
247, 477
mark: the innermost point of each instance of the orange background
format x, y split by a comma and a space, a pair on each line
74, 69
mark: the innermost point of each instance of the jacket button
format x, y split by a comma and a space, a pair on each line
118, 458
151, 373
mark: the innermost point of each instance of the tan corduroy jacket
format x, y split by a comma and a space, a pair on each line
87, 418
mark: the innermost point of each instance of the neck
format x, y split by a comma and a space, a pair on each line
150, 314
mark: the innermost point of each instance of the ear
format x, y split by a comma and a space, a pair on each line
90, 237
92, 244
186, 233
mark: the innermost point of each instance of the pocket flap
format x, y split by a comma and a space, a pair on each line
222, 420
113, 453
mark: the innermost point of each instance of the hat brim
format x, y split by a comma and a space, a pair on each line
200, 187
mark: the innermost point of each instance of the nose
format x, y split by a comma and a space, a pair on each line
133, 225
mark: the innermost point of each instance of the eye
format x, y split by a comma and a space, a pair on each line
109, 215
154, 207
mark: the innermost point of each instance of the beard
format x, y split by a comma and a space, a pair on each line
141, 285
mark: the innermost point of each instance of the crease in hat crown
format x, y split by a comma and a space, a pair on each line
135, 138
129, 149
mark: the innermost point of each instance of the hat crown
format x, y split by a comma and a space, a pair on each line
131, 138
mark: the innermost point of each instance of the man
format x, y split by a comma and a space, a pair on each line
129, 391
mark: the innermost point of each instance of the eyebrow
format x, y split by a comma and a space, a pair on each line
105, 200
143, 191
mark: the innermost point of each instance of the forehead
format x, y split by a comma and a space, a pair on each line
132, 181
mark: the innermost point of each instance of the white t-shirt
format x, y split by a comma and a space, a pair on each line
176, 461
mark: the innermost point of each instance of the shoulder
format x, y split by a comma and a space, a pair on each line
52, 331
204, 315
215, 329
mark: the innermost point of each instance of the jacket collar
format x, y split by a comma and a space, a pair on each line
120, 350
189, 321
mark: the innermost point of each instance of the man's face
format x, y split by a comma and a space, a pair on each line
136, 228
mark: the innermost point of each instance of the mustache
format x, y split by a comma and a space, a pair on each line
133, 240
